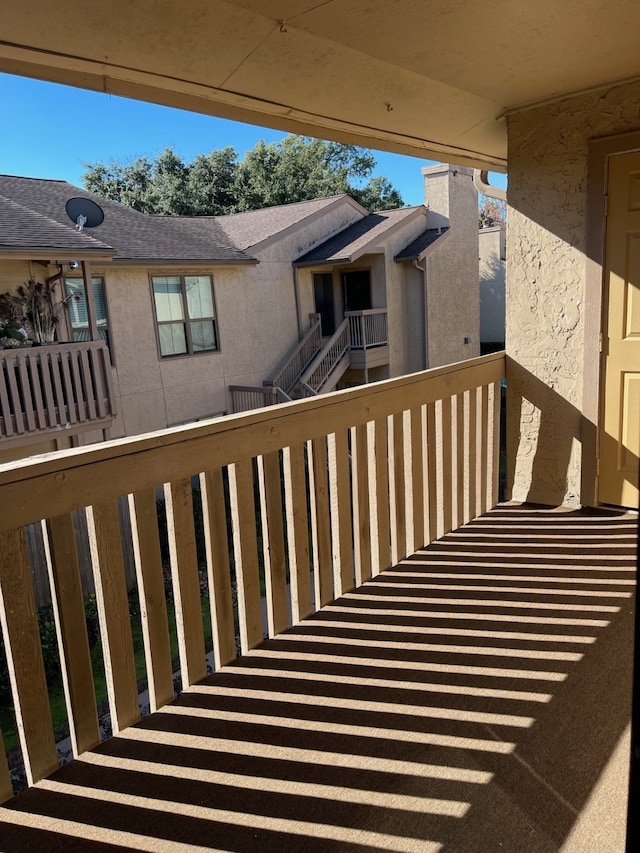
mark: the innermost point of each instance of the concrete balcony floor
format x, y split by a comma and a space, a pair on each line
474, 699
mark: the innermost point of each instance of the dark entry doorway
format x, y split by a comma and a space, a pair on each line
323, 295
357, 290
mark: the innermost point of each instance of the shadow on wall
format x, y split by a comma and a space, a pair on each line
556, 425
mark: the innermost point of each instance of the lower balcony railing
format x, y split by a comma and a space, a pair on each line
56, 388
265, 517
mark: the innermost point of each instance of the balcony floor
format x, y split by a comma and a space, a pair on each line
474, 699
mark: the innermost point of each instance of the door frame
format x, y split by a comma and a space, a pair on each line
595, 314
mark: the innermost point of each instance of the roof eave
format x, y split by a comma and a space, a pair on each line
54, 254
220, 262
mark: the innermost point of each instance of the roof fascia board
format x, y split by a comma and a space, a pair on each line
54, 255
182, 262
371, 247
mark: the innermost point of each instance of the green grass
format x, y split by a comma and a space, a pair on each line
8, 727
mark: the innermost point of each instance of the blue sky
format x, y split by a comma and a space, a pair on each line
48, 131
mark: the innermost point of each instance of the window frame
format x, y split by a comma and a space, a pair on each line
108, 339
187, 320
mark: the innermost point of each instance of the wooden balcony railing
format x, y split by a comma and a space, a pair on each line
245, 398
54, 388
367, 328
316, 497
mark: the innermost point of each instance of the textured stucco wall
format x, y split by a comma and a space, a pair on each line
546, 264
493, 273
453, 305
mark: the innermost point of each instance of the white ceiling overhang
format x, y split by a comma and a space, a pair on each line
433, 79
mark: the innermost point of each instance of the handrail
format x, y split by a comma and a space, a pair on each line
297, 361
311, 485
320, 368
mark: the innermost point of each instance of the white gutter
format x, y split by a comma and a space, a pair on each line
481, 183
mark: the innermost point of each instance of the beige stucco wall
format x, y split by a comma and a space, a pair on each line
453, 306
493, 271
549, 329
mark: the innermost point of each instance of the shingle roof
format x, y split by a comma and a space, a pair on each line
422, 241
254, 226
135, 236
21, 226
355, 240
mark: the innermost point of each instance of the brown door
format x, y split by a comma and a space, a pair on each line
620, 430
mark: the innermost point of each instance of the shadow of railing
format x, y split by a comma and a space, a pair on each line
464, 700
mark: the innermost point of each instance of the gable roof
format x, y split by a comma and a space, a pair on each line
136, 236
361, 238
419, 247
254, 227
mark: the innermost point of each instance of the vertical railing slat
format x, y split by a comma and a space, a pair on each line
113, 614
64, 413
94, 368
185, 579
19, 622
447, 464
16, 404
417, 478
382, 494
27, 397
273, 543
341, 532
495, 484
75, 656
321, 523
88, 384
74, 410
36, 386
298, 533
218, 566
460, 467
484, 448
399, 488
78, 395
361, 509
245, 549
49, 396
473, 453
143, 512
432, 470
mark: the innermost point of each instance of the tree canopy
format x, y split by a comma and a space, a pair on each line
296, 169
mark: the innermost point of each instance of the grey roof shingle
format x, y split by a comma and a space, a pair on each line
135, 236
354, 240
253, 226
422, 241
20, 226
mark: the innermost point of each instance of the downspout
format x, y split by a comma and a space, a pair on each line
296, 296
425, 312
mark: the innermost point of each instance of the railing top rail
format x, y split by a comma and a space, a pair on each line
31, 489
366, 312
53, 346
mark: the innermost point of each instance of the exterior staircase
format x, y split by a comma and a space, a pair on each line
316, 365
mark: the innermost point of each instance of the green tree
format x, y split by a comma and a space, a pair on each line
295, 169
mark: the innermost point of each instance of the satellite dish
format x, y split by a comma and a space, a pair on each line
84, 213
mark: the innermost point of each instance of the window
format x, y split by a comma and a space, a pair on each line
185, 314
77, 303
